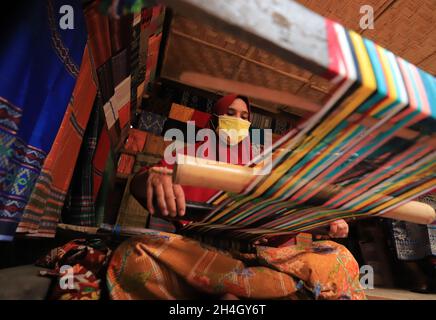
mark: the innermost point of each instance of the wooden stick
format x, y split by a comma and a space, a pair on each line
234, 178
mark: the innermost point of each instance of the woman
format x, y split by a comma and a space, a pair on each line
168, 266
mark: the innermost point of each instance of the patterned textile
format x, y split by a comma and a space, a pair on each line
39, 66
80, 207
151, 122
47, 199
160, 265
88, 260
181, 113
415, 241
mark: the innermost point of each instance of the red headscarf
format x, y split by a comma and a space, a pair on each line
223, 104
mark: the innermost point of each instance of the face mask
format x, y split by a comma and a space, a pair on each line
233, 128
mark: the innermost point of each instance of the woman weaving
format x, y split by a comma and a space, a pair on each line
164, 265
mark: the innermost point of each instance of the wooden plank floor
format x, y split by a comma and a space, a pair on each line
396, 294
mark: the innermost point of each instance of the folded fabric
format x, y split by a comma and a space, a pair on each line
136, 140
181, 113
125, 164
152, 122
155, 145
201, 119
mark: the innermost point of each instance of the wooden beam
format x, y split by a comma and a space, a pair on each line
284, 98
261, 93
288, 36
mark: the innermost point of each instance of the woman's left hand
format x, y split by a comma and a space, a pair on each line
338, 229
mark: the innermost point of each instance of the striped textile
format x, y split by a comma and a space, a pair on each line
362, 126
46, 201
80, 207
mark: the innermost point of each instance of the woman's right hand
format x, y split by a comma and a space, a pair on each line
169, 197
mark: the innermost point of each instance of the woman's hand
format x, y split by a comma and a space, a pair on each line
338, 229
170, 198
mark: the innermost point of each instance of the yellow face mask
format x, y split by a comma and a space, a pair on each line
233, 128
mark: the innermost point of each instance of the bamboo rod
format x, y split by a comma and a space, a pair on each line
199, 172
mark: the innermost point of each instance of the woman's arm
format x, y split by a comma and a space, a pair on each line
154, 190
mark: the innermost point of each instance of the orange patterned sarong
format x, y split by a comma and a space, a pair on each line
161, 265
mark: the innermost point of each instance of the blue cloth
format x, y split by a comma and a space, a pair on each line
39, 66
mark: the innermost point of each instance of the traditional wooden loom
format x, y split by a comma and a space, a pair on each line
369, 150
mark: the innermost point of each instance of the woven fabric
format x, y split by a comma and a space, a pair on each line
80, 206
31, 111
160, 265
152, 122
